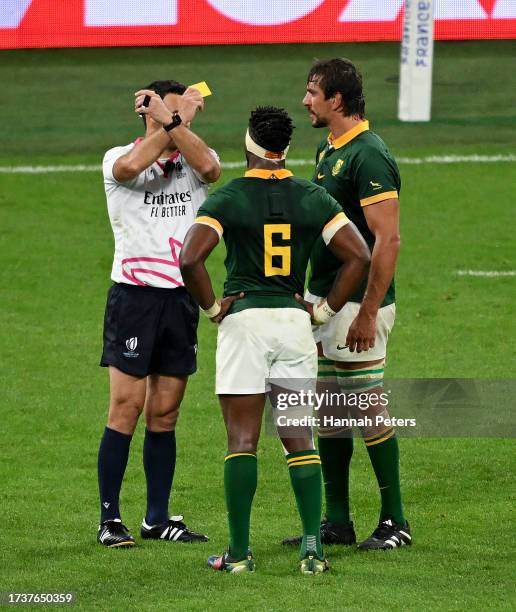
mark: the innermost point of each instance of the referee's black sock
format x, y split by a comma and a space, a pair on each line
112, 461
159, 461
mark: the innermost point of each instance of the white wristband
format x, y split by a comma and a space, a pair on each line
213, 311
323, 313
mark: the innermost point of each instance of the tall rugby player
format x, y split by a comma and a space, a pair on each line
270, 221
358, 170
154, 188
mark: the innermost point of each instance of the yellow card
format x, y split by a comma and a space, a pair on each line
203, 88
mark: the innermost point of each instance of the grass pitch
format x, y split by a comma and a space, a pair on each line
56, 249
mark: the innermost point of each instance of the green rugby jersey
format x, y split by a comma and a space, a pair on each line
358, 170
270, 221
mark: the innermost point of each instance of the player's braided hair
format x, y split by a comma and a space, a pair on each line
340, 75
271, 128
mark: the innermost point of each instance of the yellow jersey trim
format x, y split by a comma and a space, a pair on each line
211, 222
348, 136
333, 226
379, 197
281, 173
338, 217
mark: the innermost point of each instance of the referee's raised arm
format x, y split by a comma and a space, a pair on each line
154, 187
168, 125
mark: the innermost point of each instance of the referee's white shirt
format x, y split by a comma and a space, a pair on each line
150, 216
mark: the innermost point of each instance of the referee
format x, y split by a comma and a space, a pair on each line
154, 187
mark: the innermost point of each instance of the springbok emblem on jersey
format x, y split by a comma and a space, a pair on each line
337, 167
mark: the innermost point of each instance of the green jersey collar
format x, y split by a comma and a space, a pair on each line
348, 136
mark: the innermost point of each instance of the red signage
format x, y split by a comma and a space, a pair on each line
104, 23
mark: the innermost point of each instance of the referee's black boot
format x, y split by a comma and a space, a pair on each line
114, 534
173, 530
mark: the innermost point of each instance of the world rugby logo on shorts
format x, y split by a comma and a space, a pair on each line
131, 344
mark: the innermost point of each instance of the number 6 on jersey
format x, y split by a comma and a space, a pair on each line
270, 251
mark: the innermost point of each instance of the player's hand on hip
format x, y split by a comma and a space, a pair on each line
189, 103
362, 333
309, 307
225, 305
155, 108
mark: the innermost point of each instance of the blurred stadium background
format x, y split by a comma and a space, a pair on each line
68, 70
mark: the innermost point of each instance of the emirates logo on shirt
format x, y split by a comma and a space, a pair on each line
163, 205
163, 198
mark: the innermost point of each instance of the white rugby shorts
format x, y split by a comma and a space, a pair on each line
258, 344
332, 335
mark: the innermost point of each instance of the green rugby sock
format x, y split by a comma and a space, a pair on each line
336, 456
384, 454
305, 475
240, 479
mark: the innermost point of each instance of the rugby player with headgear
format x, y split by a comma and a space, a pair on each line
269, 220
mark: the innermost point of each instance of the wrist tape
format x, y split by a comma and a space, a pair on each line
323, 313
213, 311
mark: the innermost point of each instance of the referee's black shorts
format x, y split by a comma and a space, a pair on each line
148, 330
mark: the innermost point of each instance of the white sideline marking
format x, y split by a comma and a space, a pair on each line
457, 159
486, 273
432, 159
47, 169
